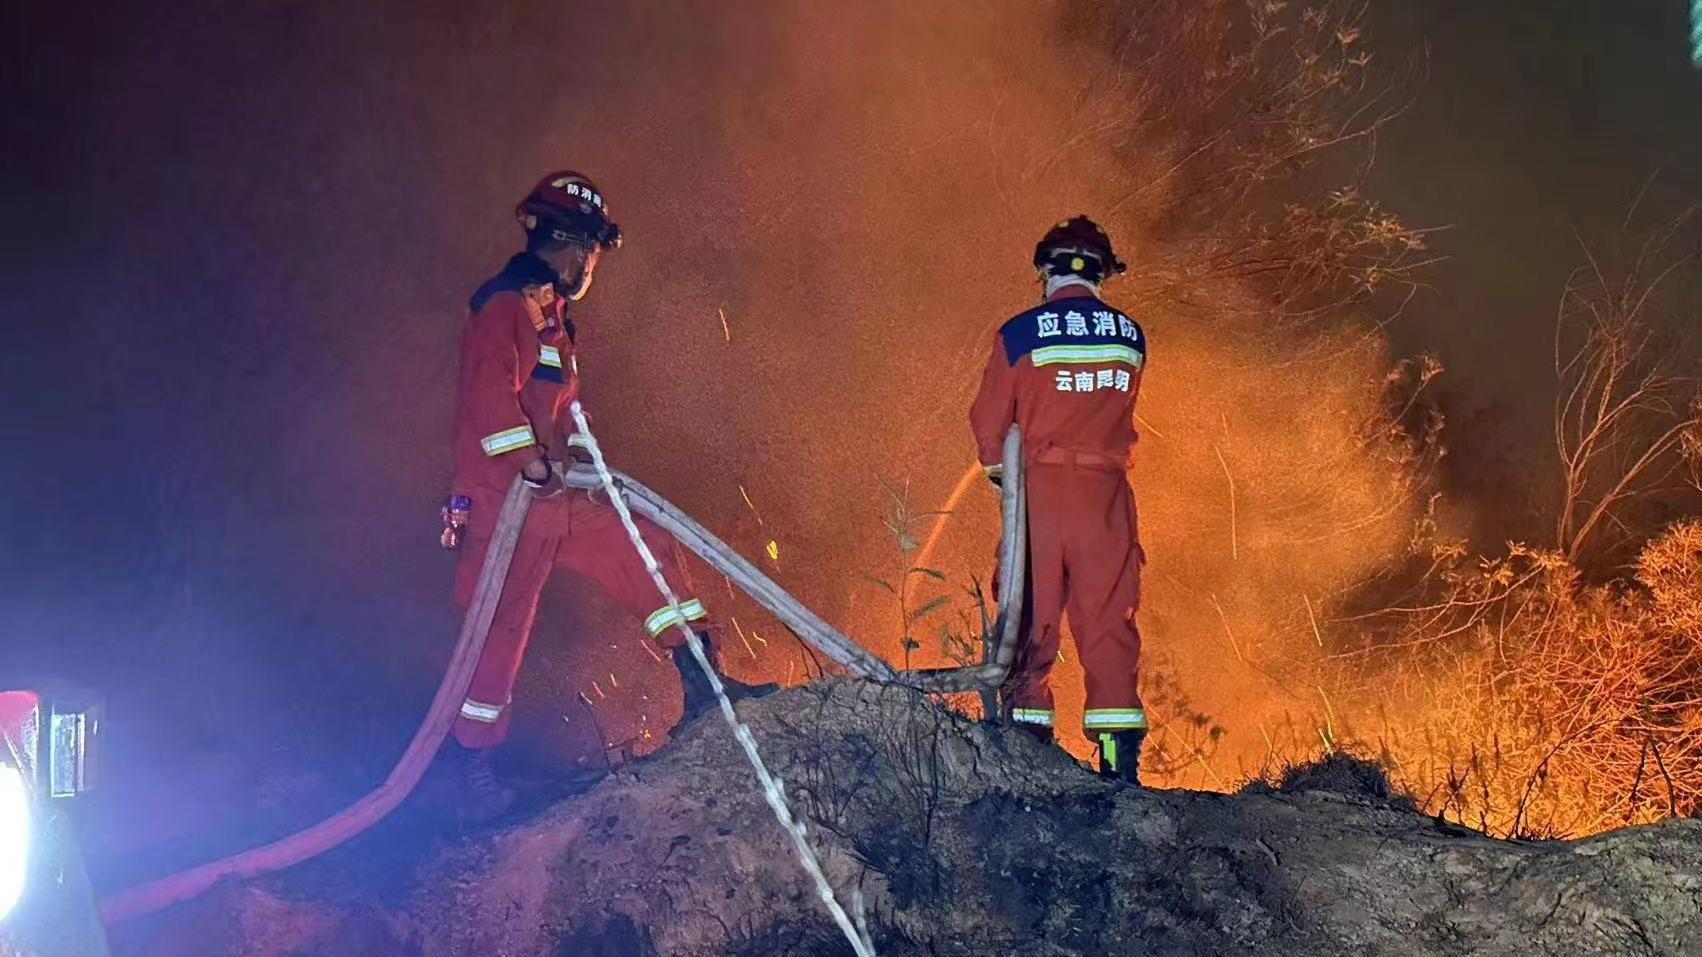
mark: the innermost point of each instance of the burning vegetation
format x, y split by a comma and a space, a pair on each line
866, 178
1554, 691
1316, 583
1310, 590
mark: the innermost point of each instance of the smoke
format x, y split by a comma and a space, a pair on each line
284, 206
256, 227
863, 222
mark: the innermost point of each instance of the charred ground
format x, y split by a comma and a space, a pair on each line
964, 839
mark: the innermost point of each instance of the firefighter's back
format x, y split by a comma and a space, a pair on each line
1077, 366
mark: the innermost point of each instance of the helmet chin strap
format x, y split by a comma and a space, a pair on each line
1057, 281
576, 290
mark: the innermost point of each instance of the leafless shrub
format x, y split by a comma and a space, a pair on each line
1217, 104
881, 785
1187, 740
1627, 422
1348, 770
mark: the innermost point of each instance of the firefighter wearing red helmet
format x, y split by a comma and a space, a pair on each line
1068, 372
519, 373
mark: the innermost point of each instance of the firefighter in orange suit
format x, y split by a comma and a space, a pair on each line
519, 372
1068, 372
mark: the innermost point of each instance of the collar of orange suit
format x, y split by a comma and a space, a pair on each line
522, 270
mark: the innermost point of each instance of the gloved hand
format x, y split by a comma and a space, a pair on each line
542, 478
455, 512
575, 445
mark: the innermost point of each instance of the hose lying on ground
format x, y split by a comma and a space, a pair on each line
372, 808
855, 933
475, 628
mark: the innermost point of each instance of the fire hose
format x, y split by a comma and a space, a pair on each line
475, 628
369, 810
1013, 572
856, 933
808, 626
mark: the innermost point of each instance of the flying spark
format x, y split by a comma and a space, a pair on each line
750, 504
741, 633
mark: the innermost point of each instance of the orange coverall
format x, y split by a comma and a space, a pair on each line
1068, 372
518, 375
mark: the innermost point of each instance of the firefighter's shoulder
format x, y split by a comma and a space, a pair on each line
497, 294
1083, 321
494, 318
520, 273
497, 312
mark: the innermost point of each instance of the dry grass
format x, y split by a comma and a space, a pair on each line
1557, 691
1525, 703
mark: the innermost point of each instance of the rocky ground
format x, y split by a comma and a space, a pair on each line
963, 840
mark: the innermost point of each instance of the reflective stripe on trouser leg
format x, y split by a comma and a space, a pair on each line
492, 685
1028, 687
1114, 719
479, 711
598, 548
1036, 716
668, 616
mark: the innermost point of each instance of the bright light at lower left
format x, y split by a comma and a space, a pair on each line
14, 837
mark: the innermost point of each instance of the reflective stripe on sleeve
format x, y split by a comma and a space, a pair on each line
508, 440
549, 356
577, 441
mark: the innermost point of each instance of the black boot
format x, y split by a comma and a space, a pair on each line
1120, 754
699, 695
1037, 731
486, 797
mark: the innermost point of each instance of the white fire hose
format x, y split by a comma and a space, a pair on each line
772, 788
623, 491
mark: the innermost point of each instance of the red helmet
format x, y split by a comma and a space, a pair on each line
1078, 246
567, 207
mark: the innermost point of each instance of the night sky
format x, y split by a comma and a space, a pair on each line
239, 238
1536, 131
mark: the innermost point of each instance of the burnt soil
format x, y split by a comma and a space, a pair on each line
962, 839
